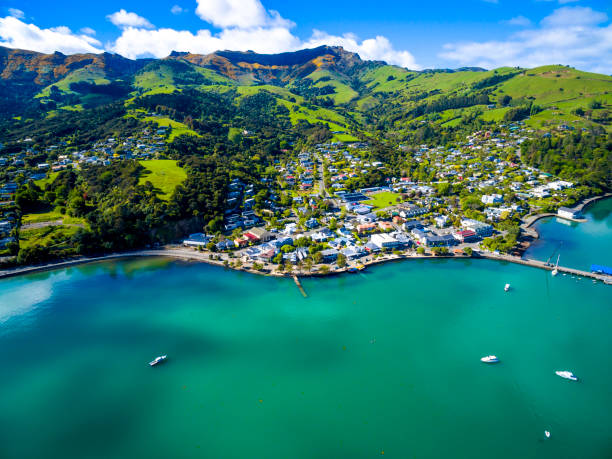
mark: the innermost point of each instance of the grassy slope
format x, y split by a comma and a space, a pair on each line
344, 93
96, 76
164, 174
177, 128
48, 179
51, 216
159, 81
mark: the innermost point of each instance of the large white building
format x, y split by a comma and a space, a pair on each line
385, 241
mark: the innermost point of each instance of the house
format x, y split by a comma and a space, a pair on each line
385, 226
441, 221
412, 224
365, 227
412, 211
480, 228
267, 255
492, 199
196, 240
312, 223
329, 255
566, 212
353, 252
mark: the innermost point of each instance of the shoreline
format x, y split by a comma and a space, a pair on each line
184, 254
528, 222
204, 257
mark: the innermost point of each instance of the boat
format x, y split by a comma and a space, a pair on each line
567, 375
547, 433
352, 269
158, 360
361, 267
506, 287
556, 270
490, 359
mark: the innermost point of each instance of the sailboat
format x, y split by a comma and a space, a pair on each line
556, 270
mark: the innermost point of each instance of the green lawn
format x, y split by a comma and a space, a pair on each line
48, 179
177, 128
382, 199
51, 216
48, 236
164, 174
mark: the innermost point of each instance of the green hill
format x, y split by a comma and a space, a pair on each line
323, 85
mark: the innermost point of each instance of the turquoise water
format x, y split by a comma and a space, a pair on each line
384, 361
579, 244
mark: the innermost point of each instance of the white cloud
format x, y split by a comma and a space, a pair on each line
379, 48
242, 14
232, 13
177, 9
135, 43
245, 25
570, 35
520, 21
16, 13
574, 16
561, 2
88, 31
124, 19
17, 34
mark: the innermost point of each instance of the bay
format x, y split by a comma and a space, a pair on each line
579, 245
383, 362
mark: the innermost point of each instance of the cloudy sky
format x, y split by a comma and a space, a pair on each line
416, 35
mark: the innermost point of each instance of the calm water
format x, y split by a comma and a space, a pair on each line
579, 244
385, 361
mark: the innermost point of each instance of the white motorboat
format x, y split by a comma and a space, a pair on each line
158, 360
506, 287
567, 375
490, 359
547, 434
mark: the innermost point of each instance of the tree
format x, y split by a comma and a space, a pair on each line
341, 260
287, 248
324, 269
308, 264
468, 251
421, 251
317, 257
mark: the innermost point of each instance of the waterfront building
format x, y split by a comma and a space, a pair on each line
566, 212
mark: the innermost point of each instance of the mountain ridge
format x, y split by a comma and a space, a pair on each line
309, 82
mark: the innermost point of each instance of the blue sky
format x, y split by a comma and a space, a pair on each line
412, 34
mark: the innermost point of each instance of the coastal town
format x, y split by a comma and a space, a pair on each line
310, 215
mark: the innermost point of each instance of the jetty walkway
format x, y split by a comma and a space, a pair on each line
543, 265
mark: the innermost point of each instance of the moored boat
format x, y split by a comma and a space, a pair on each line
567, 375
506, 287
158, 360
489, 359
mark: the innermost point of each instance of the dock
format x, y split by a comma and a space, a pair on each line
299, 286
548, 267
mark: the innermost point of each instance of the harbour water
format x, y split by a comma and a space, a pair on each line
579, 244
382, 362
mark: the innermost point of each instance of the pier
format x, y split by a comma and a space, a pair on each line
299, 286
546, 266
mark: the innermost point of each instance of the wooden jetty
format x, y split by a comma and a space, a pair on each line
299, 286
